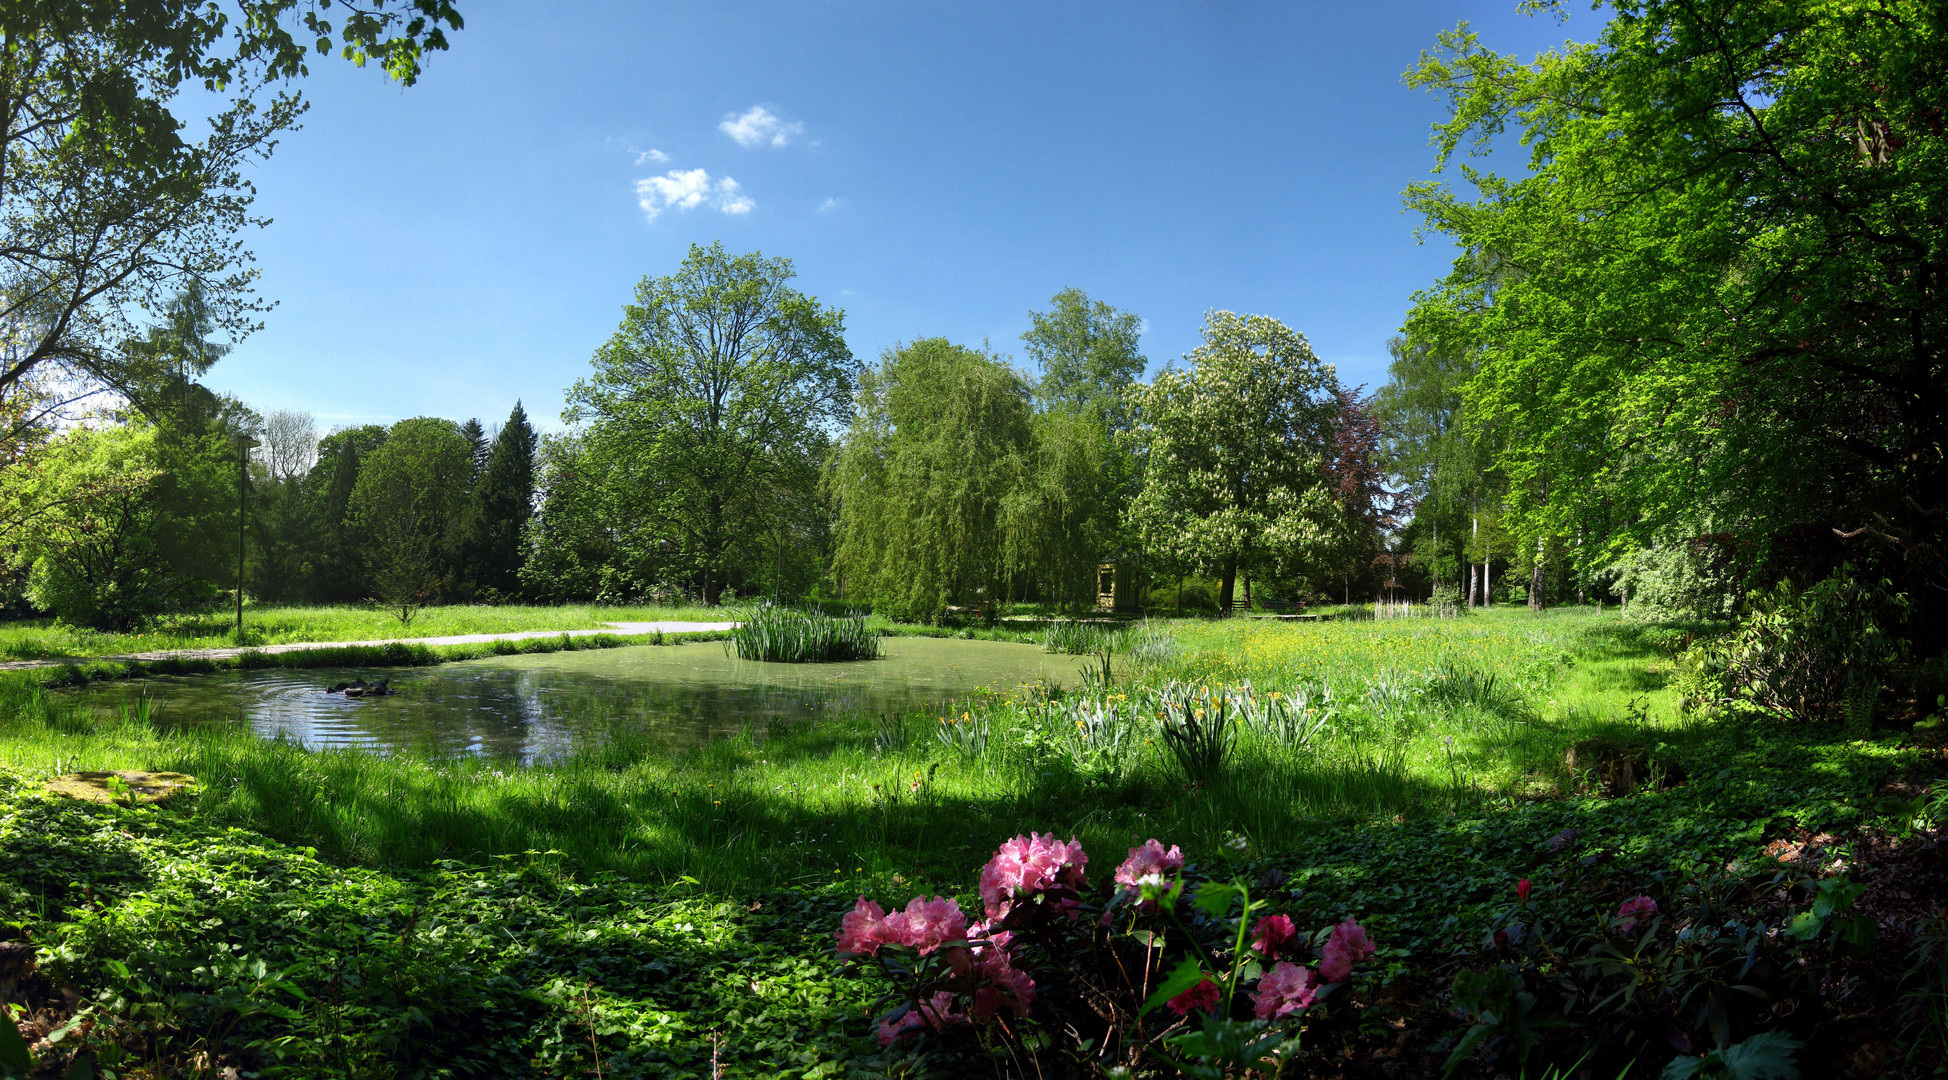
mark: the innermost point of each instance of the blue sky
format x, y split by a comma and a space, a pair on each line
933, 169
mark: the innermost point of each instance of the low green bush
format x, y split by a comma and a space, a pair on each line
1821, 654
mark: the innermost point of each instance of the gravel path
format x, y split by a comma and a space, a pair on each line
622, 628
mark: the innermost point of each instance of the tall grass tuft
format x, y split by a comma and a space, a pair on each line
1081, 639
798, 636
1196, 726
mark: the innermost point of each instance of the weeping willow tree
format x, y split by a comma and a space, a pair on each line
926, 478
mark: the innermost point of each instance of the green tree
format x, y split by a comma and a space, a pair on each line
108, 207
1067, 515
128, 520
715, 390
501, 504
408, 495
337, 560
1064, 514
1714, 295
1237, 448
90, 549
940, 440
575, 547
1088, 355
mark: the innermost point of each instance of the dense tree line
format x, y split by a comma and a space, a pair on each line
729, 440
1695, 345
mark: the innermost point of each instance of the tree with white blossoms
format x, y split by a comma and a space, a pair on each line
1236, 447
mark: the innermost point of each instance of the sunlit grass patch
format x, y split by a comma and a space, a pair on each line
1389, 720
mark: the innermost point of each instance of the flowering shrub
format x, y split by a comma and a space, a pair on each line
951, 974
1232, 1000
1033, 869
1556, 964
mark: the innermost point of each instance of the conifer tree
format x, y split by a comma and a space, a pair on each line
503, 501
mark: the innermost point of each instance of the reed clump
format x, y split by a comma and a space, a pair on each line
798, 636
1082, 639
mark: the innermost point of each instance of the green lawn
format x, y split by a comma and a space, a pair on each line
664, 914
35, 639
865, 796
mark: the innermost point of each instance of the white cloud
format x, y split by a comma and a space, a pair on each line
730, 199
657, 156
758, 126
687, 189
828, 205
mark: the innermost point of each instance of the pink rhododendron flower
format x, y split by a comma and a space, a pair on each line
1522, 890
1272, 933
1634, 911
926, 925
1285, 989
1150, 859
1200, 998
863, 930
937, 1011
1008, 987
1028, 865
1347, 946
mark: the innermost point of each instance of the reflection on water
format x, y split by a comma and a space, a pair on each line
524, 707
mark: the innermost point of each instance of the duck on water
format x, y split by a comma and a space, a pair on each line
358, 688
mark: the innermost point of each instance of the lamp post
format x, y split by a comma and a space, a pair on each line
244, 445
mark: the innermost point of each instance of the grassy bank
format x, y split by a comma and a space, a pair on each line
668, 913
1425, 719
38, 639
391, 654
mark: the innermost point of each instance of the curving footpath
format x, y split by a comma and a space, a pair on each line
623, 629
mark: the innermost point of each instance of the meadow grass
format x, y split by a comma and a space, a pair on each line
36, 639
1422, 718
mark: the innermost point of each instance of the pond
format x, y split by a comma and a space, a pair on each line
539, 706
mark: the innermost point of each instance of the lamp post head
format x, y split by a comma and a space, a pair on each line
245, 441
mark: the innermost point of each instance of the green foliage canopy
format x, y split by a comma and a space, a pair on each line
408, 496
940, 441
715, 392
105, 207
1717, 294
1237, 447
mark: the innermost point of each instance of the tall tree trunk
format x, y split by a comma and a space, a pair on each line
1535, 579
1487, 583
1226, 585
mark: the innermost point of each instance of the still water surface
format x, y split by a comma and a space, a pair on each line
527, 707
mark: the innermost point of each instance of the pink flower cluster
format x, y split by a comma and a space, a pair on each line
1200, 998
1149, 861
1633, 911
979, 969
924, 926
1348, 945
1287, 987
1273, 933
1028, 865
937, 1011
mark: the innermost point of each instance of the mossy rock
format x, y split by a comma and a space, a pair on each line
122, 787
